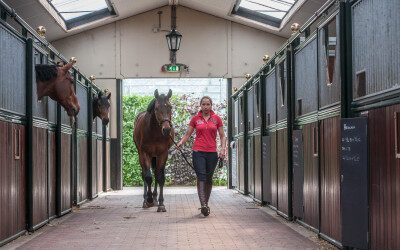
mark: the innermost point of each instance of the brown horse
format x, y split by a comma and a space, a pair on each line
151, 135
101, 105
56, 82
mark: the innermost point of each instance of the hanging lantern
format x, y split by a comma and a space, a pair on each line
174, 40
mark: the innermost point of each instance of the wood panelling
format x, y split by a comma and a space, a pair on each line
52, 173
257, 168
99, 166
82, 170
384, 179
65, 171
108, 147
250, 164
94, 167
241, 163
282, 160
274, 170
330, 178
311, 176
39, 171
12, 179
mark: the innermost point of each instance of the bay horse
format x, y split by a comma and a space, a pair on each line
151, 134
56, 82
101, 106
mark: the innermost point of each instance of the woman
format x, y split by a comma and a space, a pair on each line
205, 156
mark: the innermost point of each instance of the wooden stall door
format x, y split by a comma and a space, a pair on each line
65, 194
384, 128
39, 178
274, 170
99, 166
266, 169
12, 179
94, 168
83, 169
257, 168
108, 165
311, 175
282, 151
330, 178
52, 173
250, 164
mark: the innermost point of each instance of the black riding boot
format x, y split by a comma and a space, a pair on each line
208, 192
201, 191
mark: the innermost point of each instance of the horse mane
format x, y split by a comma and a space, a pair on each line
151, 106
45, 72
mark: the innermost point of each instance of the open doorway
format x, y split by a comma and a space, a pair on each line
186, 95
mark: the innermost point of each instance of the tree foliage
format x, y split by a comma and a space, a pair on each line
177, 171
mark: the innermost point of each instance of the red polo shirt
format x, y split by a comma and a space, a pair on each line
206, 132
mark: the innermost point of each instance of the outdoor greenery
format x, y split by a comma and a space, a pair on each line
177, 171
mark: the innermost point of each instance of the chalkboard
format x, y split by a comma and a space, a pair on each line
354, 182
266, 164
298, 173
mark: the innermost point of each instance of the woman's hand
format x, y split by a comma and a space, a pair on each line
178, 146
222, 154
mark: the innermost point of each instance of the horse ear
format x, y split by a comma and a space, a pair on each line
169, 93
67, 67
156, 94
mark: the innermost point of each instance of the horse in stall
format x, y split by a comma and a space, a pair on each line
151, 134
56, 82
101, 105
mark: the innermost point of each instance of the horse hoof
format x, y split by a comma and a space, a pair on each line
145, 205
161, 209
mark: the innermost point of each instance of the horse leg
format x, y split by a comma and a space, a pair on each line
144, 161
149, 179
155, 194
160, 178
153, 165
144, 193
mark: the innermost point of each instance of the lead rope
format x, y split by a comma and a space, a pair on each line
220, 161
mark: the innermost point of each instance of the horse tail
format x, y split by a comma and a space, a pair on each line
154, 163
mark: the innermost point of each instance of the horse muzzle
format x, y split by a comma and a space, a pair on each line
166, 131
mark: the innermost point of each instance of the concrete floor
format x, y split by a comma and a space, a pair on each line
116, 220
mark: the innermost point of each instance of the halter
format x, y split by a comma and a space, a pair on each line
164, 120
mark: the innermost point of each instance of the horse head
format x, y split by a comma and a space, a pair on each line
101, 105
56, 82
162, 109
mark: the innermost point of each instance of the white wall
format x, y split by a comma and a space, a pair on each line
211, 46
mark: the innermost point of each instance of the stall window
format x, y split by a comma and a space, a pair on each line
329, 46
282, 84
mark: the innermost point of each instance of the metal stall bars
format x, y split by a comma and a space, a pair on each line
36, 137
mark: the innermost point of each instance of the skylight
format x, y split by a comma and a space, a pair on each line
272, 8
70, 9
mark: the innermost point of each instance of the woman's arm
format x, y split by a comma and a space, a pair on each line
185, 138
222, 136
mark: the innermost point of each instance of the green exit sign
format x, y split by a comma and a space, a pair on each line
173, 68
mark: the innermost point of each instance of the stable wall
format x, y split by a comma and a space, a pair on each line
211, 46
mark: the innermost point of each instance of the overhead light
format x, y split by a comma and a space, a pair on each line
174, 40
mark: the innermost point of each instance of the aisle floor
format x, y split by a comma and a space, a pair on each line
116, 220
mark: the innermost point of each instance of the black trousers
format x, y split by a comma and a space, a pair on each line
205, 163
